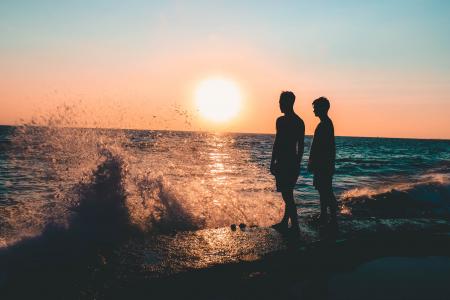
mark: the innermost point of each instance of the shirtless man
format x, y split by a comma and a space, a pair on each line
286, 158
321, 161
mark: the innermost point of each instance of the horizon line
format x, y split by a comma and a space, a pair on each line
229, 132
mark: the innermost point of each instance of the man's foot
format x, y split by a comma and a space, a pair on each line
281, 227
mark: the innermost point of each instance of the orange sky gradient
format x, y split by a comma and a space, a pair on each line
153, 88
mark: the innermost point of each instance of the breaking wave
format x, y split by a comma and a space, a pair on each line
426, 195
103, 184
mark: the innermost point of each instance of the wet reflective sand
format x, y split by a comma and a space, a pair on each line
254, 263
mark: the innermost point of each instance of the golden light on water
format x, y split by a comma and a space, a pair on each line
218, 99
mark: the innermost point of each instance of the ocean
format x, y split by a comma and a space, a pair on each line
96, 186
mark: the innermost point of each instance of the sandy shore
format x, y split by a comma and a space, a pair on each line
370, 258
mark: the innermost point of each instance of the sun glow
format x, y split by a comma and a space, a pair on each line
218, 100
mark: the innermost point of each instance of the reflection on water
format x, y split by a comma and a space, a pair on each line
199, 249
218, 155
204, 179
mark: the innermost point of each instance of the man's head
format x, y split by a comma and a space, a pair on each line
287, 100
321, 106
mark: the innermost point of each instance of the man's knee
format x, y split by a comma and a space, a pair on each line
327, 195
287, 194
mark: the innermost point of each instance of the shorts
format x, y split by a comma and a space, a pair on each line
286, 179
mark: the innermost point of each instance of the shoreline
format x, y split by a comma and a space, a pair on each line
286, 274
256, 263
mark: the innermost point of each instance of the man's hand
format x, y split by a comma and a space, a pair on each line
273, 169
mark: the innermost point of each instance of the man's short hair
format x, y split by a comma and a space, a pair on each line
287, 97
322, 103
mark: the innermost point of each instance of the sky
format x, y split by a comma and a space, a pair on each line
384, 65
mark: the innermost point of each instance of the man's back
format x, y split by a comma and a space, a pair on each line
290, 131
323, 149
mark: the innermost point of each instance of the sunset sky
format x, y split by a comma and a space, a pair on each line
384, 65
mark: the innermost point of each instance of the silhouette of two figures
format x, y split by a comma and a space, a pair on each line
287, 155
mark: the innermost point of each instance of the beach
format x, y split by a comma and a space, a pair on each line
90, 213
253, 263
225, 150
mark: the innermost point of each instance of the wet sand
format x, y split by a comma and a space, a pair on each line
423, 277
254, 263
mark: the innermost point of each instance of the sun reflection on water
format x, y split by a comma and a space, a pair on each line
220, 156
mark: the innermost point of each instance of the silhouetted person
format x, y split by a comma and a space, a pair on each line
286, 158
321, 160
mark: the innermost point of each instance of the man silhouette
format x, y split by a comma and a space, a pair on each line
321, 160
286, 158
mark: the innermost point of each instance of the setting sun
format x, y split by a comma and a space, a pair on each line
218, 100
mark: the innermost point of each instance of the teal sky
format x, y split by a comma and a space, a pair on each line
397, 34
374, 44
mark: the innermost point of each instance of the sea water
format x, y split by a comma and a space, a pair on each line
166, 181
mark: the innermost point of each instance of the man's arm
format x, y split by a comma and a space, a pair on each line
330, 146
300, 143
312, 152
275, 149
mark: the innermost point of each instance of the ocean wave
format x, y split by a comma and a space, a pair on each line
426, 195
91, 184
113, 199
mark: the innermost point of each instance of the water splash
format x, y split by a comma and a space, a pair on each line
110, 180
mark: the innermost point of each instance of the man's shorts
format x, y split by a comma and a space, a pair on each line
286, 179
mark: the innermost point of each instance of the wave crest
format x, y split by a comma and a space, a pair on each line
428, 195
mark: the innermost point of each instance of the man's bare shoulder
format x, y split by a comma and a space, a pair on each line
300, 121
280, 121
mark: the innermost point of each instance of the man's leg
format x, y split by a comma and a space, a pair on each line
285, 219
332, 203
328, 200
288, 196
284, 223
323, 205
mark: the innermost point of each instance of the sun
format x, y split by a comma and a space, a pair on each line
218, 99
